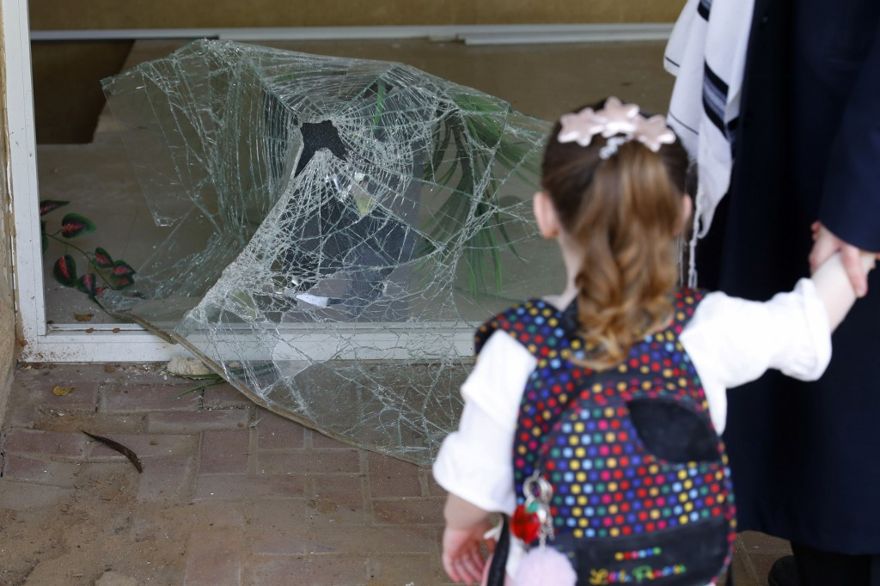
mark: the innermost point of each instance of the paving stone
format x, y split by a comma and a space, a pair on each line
22, 414
409, 510
242, 487
756, 541
286, 531
123, 376
166, 479
317, 512
213, 559
337, 499
80, 396
760, 566
145, 445
309, 461
390, 477
29, 377
27, 469
112, 578
46, 443
26, 386
224, 396
369, 540
204, 516
430, 486
108, 481
195, 421
220, 515
225, 452
275, 432
133, 399
278, 528
20, 496
34, 398
418, 570
97, 423
744, 573
312, 570
321, 441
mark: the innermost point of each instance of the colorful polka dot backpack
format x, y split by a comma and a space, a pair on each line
619, 470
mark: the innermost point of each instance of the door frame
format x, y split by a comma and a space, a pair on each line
42, 342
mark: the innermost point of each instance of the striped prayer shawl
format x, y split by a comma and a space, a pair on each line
707, 54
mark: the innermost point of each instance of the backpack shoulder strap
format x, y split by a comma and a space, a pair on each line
685, 304
534, 323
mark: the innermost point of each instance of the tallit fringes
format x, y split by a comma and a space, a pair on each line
695, 236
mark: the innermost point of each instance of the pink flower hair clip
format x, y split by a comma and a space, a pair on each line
615, 118
653, 132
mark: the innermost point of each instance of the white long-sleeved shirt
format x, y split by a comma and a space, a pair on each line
730, 341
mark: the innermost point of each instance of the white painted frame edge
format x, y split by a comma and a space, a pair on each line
22, 171
129, 342
40, 344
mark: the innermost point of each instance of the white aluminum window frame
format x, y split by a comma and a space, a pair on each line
42, 342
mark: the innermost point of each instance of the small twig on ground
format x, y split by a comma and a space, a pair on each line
114, 445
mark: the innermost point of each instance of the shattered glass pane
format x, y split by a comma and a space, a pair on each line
337, 227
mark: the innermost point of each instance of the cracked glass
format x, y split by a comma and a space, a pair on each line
336, 228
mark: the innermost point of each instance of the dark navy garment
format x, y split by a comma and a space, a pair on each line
806, 456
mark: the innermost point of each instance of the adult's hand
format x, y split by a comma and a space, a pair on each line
825, 243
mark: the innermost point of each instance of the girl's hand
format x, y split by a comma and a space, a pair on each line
825, 244
462, 555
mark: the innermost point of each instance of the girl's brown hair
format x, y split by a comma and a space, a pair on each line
625, 213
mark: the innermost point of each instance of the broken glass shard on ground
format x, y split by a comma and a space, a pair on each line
335, 229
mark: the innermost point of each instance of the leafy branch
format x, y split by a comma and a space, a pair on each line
475, 128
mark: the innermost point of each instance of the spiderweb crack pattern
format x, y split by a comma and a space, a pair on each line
333, 229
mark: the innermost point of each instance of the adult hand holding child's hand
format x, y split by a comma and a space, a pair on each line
825, 244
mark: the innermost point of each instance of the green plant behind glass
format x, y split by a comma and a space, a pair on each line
476, 128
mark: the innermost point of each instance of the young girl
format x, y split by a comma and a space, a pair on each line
591, 418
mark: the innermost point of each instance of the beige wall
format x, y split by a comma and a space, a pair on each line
79, 14
67, 87
7, 314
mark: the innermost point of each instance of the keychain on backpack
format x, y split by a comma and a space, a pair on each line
532, 521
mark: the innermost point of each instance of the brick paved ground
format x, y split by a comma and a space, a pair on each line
229, 494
